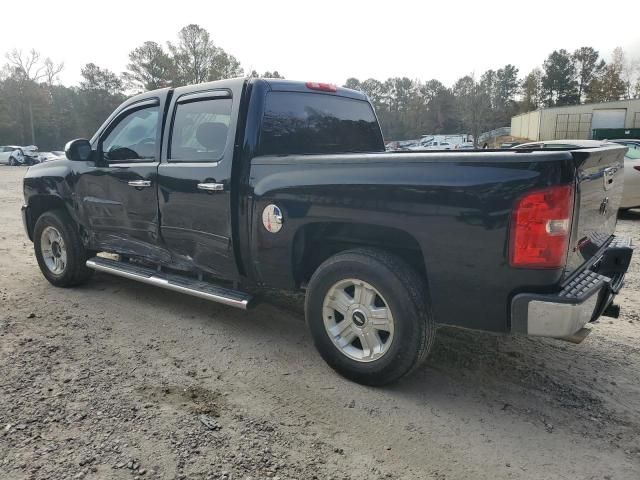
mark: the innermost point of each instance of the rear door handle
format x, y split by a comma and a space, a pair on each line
211, 187
139, 183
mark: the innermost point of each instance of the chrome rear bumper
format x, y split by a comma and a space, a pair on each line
581, 300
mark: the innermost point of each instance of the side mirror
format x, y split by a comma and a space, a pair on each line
78, 150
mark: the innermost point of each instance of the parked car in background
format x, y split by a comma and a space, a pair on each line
10, 155
631, 192
400, 146
31, 154
425, 144
562, 144
15, 155
455, 140
627, 141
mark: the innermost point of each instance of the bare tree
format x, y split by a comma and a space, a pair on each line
51, 71
630, 75
28, 71
26, 65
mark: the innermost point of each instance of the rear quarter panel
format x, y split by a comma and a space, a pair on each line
456, 205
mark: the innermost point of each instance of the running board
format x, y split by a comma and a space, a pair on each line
177, 283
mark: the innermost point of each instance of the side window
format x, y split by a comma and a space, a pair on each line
134, 137
200, 130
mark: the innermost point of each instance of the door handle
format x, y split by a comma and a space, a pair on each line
211, 187
139, 183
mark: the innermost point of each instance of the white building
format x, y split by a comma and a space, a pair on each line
576, 121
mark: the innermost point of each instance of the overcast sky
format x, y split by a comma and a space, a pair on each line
327, 40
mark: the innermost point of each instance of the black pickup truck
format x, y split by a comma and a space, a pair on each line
218, 188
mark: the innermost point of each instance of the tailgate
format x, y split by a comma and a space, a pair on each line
599, 178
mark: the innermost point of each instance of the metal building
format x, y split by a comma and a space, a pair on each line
575, 121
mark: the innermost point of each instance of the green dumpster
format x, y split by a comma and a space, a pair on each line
611, 133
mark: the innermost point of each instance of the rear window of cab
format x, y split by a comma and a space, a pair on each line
313, 123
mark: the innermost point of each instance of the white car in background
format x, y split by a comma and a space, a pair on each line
431, 145
15, 155
631, 192
11, 155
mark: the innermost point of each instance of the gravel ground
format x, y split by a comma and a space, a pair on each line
118, 380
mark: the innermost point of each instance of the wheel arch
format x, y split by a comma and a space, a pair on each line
315, 242
39, 204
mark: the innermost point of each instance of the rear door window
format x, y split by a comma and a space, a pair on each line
200, 130
312, 123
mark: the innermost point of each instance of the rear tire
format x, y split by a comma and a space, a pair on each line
59, 250
370, 316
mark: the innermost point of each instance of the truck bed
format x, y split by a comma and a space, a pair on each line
456, 205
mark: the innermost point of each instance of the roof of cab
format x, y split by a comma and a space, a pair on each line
281, 85
275, 84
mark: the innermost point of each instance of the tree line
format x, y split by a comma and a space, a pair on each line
36, 109
409, 108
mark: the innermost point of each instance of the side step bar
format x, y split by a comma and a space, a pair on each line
173, 282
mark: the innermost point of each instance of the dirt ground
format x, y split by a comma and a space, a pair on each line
119, 380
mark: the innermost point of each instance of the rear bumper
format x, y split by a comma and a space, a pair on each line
581, 300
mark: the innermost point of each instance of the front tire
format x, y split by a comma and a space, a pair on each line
369, 316
59, 250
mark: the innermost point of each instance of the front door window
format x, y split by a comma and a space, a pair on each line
134, 138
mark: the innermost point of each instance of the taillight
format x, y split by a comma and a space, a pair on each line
323, 87
540, 227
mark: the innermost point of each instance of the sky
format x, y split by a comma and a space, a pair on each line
327, 40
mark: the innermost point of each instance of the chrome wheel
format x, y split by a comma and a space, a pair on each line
358, 320
54, 252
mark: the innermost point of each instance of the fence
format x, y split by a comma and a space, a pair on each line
498, 132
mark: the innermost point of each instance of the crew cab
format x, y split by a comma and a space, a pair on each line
216, 188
